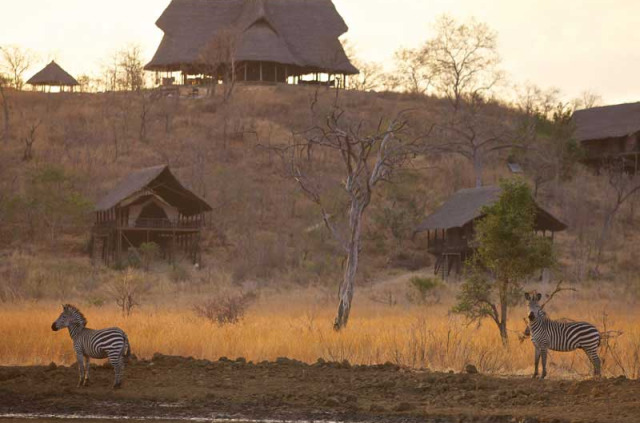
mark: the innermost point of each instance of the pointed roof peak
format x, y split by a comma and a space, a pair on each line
53, 75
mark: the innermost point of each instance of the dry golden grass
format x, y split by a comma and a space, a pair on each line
292, 326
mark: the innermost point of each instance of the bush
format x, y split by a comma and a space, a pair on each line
149, 252
226, 309
427, 290
127, 290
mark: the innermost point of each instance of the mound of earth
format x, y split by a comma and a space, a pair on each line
167, 386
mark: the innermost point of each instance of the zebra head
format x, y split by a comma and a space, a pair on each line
70, 316
535, 310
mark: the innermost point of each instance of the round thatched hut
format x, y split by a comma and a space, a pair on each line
53, 76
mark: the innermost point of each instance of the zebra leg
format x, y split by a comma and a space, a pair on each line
543, 353
80, 360
595, 360
116, 362
87, 366
537, 362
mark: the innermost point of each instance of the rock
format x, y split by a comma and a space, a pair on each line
51, 366
224, 359
376, 408
404, 406
241, 360
332, 402
471, 369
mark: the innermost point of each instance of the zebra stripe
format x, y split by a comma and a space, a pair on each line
111, 343
547, 334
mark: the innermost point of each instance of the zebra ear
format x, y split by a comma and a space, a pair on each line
527, 296
539, 296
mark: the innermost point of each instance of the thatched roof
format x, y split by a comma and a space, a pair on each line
53, 75
160, 181
607, 122
466, 205
301, 33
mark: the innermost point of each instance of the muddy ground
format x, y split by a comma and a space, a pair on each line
179, 387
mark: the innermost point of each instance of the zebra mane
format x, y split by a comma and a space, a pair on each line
76, 313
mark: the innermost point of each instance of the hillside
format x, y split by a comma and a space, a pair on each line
263, 229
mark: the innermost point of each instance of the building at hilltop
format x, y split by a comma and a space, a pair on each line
53, 76
275, 41
149, 205
610, 133
450, 229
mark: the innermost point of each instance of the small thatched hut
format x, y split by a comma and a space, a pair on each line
276, 40
450, 229
610, 133
149, 205
53, 76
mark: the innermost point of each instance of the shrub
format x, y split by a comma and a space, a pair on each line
149, 252
427, 290
127, 289
226, 309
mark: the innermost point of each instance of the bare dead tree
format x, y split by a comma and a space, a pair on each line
218, 57
131, 77
623, 187
546, 128
587, 100
29, 139
478, 130
5, 108
371, 75
16, 61
367, 156
413, 71
463, 58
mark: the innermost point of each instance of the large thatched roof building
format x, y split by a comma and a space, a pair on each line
610, 133
149, 205
275, 39
53, 76
450, 229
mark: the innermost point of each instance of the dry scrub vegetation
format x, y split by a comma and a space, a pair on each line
265, 237
298, 326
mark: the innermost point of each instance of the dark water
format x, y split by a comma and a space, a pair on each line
51, 418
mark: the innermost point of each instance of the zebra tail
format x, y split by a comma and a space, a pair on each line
126, 348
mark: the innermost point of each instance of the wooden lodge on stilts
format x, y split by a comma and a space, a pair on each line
277, 41
450, 229
149, 205
53, 76
610, 135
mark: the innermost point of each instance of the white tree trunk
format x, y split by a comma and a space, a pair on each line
351, 269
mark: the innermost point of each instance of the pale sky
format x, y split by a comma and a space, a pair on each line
574, 45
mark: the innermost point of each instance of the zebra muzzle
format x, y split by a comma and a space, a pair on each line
53, 326
532, 316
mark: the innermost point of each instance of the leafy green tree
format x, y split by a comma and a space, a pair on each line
508, 253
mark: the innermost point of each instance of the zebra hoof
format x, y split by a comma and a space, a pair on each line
534, 376
117, 385
86, 382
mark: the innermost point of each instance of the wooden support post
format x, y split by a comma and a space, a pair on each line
275, 66
246, 65
260, 71
118, 246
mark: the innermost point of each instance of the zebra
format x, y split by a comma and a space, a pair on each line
547, 334
109, 343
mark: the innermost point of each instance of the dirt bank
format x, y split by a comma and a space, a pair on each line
286, 389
